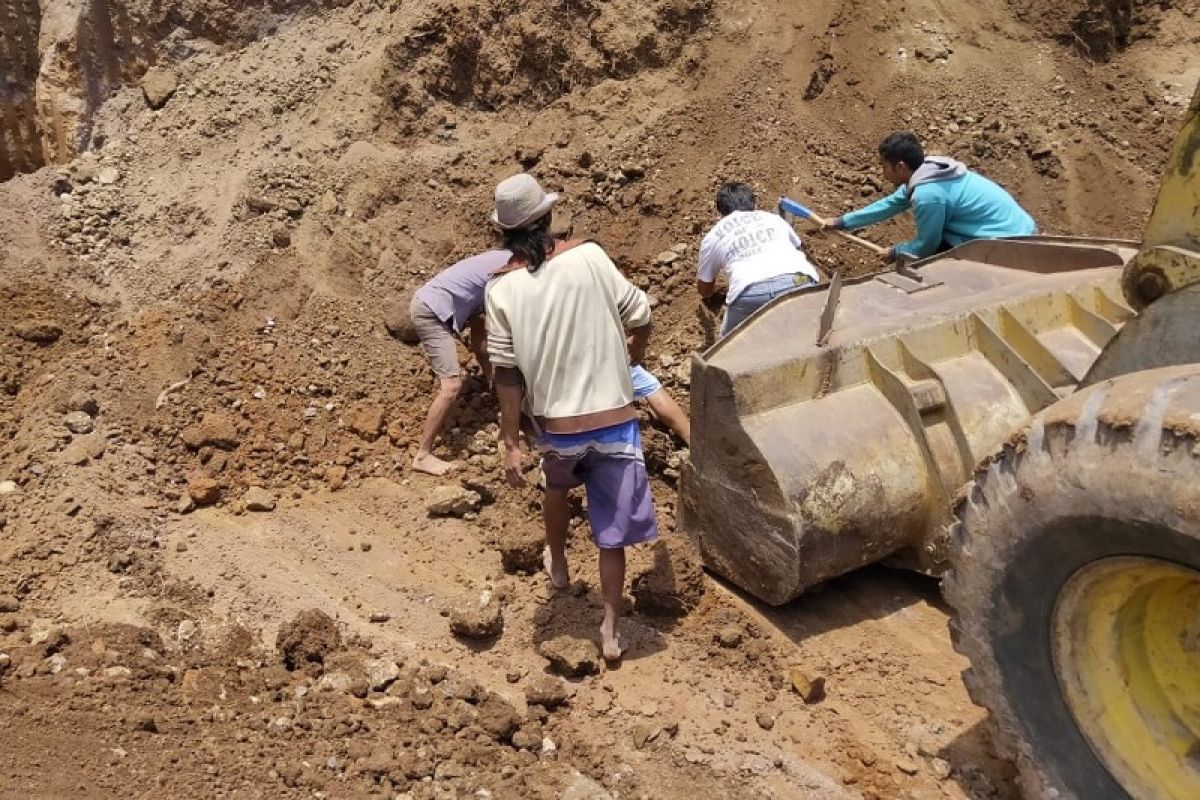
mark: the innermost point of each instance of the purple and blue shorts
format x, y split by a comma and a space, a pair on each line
608, 462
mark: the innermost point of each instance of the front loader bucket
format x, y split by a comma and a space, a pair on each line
809, 461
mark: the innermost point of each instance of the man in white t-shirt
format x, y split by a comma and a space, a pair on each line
758, 252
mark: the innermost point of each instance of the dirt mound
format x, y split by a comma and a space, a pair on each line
495, 55
194, 321
308, 639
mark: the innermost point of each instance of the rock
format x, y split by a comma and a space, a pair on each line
84, 449
452, 501
82, 401
367, 422
78, 422
521, 548
259, 499
477, 617
581, 787
666, 258
674, 583
810, 687
38, 332
570, 656
905, 765
185, 505
729, 636
335, 477
942, 769
497, 717
398, 319
9, 603
186, 630
8, 487
307, 639
379, 617
108, 176
203, 490
145, 724
281, 237
765, 720
644, 733
5, 662
547, 691
528, 737
381, 673
158, 85
339, 682
213, 430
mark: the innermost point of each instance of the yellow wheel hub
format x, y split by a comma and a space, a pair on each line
1127, 654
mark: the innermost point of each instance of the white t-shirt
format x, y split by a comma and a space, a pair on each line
751, 246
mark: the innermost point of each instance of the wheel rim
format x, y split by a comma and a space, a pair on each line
1127, 654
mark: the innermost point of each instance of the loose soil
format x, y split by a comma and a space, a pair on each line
206, 284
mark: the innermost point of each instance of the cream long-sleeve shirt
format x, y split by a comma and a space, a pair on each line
563, 326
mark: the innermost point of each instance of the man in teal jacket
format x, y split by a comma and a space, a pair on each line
951, 204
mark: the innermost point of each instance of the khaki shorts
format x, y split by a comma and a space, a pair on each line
437, 339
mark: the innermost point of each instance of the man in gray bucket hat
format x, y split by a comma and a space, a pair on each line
557, 317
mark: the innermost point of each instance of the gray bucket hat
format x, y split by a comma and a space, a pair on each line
520, 200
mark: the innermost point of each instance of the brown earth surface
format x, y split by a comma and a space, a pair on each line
191, 318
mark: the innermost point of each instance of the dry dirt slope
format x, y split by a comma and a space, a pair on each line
312, 162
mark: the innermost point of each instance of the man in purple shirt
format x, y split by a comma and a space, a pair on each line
441, 310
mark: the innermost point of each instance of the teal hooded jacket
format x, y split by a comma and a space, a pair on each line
951, 204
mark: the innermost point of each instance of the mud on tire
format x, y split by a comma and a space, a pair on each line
1111, 471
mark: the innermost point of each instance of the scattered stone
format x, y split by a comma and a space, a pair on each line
811, 688
146, 724
118, 673
581, 787
547, 691
666, 258
38, 332
381, 673
9, 603
108, 176
82, 401
729, 636
379, 617
259, 499
477, 617
905, 765
79, 422
942, 768
452, 501
765, 720
497, 717
185, 505
186, 630
213, 430
307, 639
158, 86
570, 657
203, 490
8, 487
527, 738
367, 422
5, 662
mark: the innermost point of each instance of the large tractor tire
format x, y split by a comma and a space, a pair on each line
1076, 587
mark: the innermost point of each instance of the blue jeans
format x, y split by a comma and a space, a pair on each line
757, 295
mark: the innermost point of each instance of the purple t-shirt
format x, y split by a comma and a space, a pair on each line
456, 293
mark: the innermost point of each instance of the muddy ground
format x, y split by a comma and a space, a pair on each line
205, 428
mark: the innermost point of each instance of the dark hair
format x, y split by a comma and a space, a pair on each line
532, 244
735, 197
902, 148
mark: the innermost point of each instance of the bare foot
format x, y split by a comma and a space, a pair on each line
431, 464
560, 577
612, 645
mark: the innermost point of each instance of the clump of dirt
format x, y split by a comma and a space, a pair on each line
308, 640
